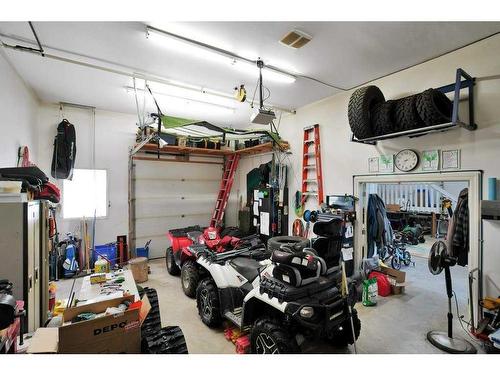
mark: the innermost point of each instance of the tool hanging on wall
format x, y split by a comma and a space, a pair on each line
230, 166
311, 152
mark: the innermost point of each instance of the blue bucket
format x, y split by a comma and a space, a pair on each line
142, 252
106, 251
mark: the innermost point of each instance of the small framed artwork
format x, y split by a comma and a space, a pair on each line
386, 164
373, 164
430, 160
450, 159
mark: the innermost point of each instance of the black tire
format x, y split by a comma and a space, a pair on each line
382, 118
297, 243
189, 278
434, 107
172, 267
208, 304
343, 335
270, 337
361, 104
396, 262
406, 258
168, 340
406, 116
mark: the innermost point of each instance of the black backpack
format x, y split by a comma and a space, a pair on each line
63, 159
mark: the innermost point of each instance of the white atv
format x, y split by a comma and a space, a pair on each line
281, 301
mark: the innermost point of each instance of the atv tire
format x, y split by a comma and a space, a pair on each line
406, 116
189, 278
434, 107
297, 243
343, 335
208, 304
382, 122
172, 267
270, 337
359, 111
168, 340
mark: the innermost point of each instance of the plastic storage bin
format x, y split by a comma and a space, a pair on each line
106, 251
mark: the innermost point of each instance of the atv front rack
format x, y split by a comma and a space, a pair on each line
257, 251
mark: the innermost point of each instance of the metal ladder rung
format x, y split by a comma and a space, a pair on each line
311, 181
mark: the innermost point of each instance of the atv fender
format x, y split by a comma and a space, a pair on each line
186, 254
223, 275
257, 305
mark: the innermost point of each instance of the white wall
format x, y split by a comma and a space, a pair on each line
115, 134
480, 149
18, 108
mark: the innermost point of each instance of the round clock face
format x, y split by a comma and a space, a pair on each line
406, 160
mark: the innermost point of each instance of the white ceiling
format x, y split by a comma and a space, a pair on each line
344, 54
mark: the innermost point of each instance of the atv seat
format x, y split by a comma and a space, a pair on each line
247, 267
296, 269
194, 235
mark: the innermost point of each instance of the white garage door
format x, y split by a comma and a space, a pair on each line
168, 195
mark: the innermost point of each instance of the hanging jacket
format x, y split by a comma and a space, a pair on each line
459, 236
379, 227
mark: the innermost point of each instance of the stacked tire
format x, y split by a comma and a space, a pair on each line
370, 115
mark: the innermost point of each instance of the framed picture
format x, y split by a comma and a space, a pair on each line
373, 164
386, 164
450, 159
430, 160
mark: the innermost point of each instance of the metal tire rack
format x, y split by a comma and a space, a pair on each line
462, 81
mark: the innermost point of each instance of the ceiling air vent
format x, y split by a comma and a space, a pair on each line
295, 39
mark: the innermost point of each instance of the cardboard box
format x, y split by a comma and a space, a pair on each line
399, 276
398, 289
393, 207
119, 333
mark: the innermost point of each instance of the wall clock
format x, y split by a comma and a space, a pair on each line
406, 160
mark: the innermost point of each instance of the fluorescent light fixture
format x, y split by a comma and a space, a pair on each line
200, 51
187, 105
188, 92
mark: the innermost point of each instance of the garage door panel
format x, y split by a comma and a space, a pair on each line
188, 171
177, 188
163, 206
171, 195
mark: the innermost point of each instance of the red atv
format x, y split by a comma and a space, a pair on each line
181, 260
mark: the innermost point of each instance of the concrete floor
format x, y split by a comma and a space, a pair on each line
397, 324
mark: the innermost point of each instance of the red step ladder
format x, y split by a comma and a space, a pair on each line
312, 175
230, 166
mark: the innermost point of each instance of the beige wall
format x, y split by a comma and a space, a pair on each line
18, 108
480, 149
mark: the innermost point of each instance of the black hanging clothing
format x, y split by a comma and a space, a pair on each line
460, 232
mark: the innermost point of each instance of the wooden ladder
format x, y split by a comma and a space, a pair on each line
230, 166
312, 185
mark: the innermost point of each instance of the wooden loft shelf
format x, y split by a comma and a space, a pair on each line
259, 149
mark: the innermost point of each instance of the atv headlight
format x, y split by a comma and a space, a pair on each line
307, 312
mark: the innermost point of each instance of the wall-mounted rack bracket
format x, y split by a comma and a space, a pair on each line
463, 81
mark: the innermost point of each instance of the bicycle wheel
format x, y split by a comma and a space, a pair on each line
396, 262
406, 258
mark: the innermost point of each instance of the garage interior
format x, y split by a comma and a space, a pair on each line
249, 187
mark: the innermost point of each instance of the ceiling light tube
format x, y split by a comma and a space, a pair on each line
130, 89
201, 50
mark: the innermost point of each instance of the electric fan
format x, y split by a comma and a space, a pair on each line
439, 259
